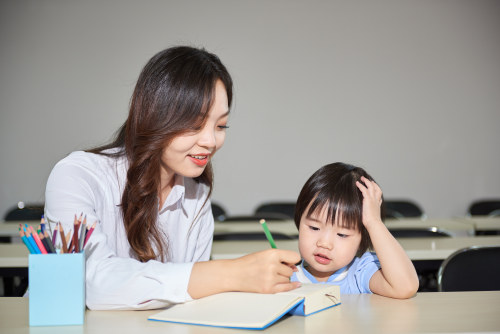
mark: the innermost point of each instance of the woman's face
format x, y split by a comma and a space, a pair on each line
188, 154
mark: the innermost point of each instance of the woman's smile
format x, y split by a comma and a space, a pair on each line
200, 159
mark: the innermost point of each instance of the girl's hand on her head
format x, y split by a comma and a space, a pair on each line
267, 271
372, 200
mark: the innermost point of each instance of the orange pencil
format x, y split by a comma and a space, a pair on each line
69, 240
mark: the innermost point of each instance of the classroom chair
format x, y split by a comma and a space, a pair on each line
471, 269
285, 208
426, 269
24, 213
484, 208
428, 232
218, 212
402, 209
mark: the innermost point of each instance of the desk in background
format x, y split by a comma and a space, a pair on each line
455, 227
10, 230
472, 312
483, 225
418, 249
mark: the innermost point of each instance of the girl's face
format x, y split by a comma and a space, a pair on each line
326, 248
189, 153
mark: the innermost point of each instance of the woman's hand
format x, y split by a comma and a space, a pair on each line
266, 271
372, 200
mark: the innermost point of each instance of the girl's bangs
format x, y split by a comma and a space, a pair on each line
343, 213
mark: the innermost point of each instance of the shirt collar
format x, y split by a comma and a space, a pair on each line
337, 276
176, 197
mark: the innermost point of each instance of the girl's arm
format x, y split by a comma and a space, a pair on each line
397, 277
267, 271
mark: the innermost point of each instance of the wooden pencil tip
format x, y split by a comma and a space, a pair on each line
262, 221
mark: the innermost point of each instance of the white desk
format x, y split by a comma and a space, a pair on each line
11, 229
450, 312
13, 255
16, 255
455, 227
482, 223
286, 227
418, 249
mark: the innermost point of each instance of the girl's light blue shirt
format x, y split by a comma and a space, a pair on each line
353, 278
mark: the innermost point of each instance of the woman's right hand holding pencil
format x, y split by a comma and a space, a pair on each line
266, 271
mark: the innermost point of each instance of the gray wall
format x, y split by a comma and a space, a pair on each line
410, 90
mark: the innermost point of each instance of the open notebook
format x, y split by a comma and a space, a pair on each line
251, 310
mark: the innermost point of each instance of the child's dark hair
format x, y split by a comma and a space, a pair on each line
334, 185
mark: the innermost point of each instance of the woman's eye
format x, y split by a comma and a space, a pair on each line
223, 127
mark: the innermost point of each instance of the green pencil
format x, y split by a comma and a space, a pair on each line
268, 233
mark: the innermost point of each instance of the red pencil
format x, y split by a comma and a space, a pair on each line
89, 233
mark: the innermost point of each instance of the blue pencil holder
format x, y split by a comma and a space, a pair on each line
56, 289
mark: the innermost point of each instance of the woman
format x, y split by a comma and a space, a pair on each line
149, 192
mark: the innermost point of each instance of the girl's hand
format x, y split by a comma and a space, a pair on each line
267, 271
372, 200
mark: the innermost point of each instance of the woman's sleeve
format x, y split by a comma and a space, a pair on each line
206, 233
111, 282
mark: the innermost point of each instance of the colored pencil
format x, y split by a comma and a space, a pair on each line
32, 241
48, 223
268, 233
49, 242
63, 239
54, 236
76, 228
89, 233
82, 233
69, 241
25, 240
38, 241
44, 241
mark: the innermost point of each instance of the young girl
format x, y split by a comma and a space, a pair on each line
338, 215
149, 192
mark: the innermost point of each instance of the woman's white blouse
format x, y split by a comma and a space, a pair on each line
92, 184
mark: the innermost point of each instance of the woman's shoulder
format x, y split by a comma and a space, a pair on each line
90, 163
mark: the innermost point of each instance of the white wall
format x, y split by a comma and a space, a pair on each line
410, 90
